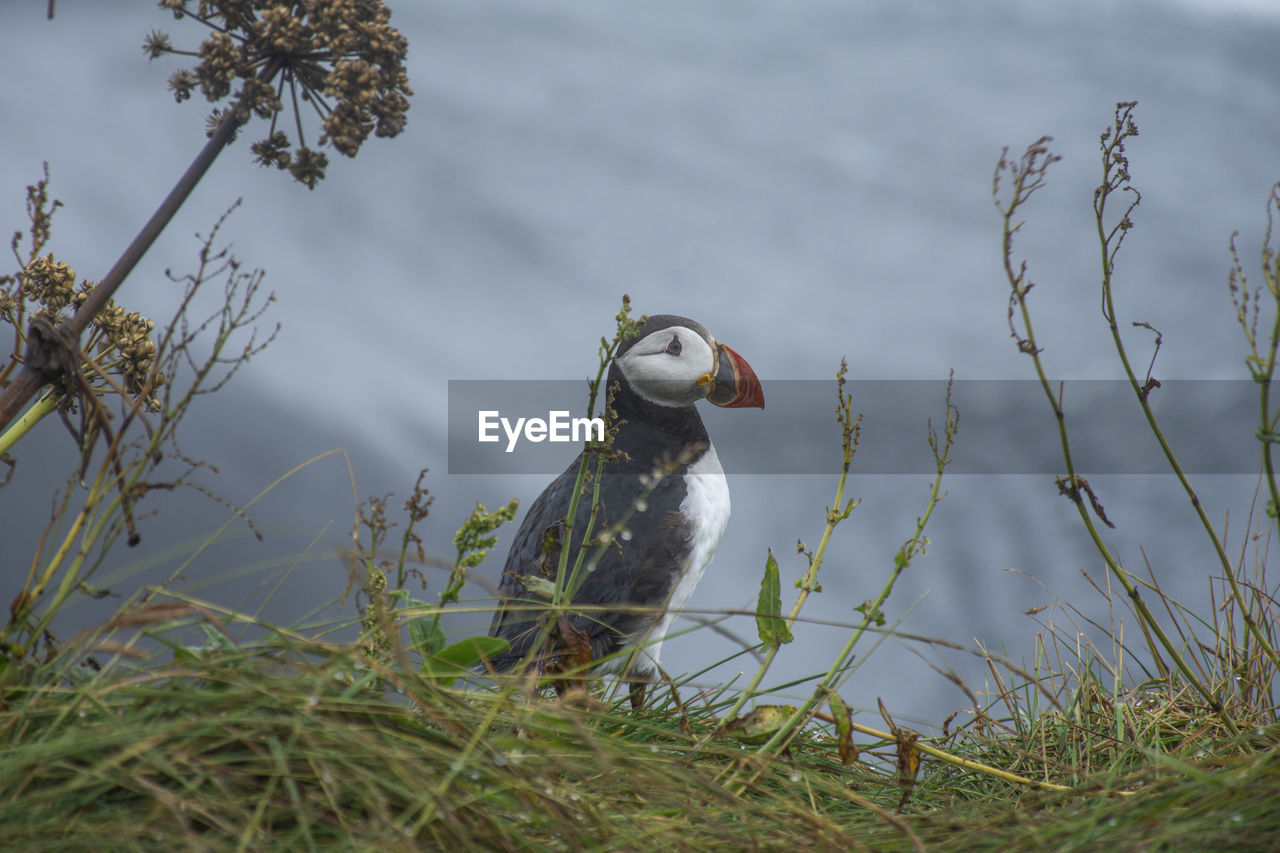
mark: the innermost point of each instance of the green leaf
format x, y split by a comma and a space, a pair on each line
426, 635
451, 663
538, 586
761, 724
215, 640
868, 608
769, 622
471, 651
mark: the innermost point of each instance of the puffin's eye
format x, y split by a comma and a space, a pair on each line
674, 346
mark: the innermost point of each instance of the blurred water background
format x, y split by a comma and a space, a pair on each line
809, 180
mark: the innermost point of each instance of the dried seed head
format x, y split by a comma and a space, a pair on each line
49, 283
342, 56
156, 44
220, 59
181, 83
120, 341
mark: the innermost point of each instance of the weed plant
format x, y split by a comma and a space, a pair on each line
181, 724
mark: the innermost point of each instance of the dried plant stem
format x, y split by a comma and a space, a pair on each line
1266, 432
39, 369
120, 477
1027, 176
1116, 179
1264, 369
966, 763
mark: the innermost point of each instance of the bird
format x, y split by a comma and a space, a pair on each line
670, 531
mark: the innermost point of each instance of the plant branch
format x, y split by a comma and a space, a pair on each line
40, 368
872, 612
1116, 179
850, 433
1026, 176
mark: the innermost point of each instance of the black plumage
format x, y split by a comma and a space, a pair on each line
636, 574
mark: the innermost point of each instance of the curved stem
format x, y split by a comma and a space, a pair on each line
1109, 242
29, 379
1271, 272
1027, 177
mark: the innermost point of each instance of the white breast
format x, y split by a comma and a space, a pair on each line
706, 505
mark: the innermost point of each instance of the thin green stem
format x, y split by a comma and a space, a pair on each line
807, 585
566, 581
850, 431
872, 613
1264, 376
47, 404
1028, 176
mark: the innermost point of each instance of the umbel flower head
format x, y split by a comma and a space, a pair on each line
340, 58
120, 341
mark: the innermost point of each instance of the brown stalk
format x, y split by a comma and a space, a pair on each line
47, 356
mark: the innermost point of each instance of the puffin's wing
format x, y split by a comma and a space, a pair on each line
633, 579
528, 556
636, 572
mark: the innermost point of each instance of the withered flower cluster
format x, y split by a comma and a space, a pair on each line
119, 341
51, 284
339, 56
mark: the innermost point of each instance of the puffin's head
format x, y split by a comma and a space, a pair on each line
674, 361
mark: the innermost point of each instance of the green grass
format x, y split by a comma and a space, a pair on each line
306, 744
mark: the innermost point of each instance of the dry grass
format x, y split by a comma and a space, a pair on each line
304, 744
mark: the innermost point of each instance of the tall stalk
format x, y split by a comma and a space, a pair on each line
348, 62
44, 358
1026, 176
850, 429
871, 613
1115, 178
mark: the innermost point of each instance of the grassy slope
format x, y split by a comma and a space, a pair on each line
229, 750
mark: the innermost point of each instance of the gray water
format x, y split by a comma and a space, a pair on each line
809, 180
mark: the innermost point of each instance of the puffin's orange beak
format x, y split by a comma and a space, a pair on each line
735, 385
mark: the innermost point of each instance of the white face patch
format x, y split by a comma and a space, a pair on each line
664, 366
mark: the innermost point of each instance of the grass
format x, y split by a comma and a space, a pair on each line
303, 744
182, 725
297, 743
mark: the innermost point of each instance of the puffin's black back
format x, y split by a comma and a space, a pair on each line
639, 570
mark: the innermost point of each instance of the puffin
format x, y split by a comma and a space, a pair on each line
669, 531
